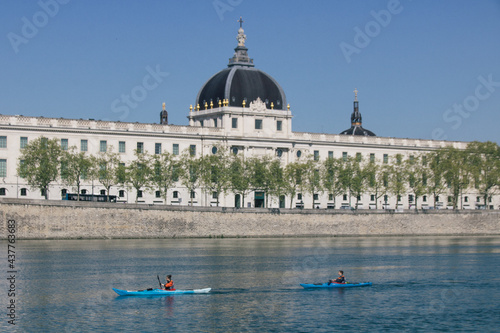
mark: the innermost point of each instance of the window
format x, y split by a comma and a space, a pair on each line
386, 158
139, 194
399, 198
215, 122
175, 195
372, 157
424, 198
358, 197
214, 195
316, 155
193, 195
344, 156
299, 196
158, 194
235, 150
24, 192
424, 160
83, 191
489, 199
202, 123
103, 192
140, 147
279, 125
330, 154
344, 197
24, 142
450, 198
3, 168
175, 149
386, 197
192, 150
2, 191
466, 199
84, 145
103, 146
63, 192
234, 122
43, 192
3, 142
121, 193
214, 150
299, 153
64, 144
258, 124
410, 198
279, 152
478, 199
121, 146
436, 198
157, 148
358, 157
330, 197
315, 196
412, 159
372, 197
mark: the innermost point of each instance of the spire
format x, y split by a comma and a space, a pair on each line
240, 56
356, 115
163, 115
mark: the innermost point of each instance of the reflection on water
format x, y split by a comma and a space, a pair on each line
420, 283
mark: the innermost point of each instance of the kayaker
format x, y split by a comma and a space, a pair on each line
340, 279
169, 284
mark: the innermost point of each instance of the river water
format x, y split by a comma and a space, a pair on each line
420, 284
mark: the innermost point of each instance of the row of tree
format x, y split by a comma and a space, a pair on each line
445, 171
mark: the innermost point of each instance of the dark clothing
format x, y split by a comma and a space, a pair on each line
340, 279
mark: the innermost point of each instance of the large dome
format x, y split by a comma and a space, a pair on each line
241, 81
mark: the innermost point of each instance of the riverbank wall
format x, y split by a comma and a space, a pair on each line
40, 219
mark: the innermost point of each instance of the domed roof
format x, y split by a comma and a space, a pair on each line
241, 81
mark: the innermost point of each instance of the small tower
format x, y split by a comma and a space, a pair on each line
163, 115
356, 127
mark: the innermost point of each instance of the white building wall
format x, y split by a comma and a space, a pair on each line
254, 143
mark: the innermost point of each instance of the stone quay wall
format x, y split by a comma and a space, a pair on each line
40, 219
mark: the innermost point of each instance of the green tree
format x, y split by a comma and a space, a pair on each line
457, 172
164, 172
436, 184
260, 175
190, 172
330, 177
239, 176
484, 158
138, 172
105, 167
277, 181
398, 177
312, 178
294, 179
346, 176
377, 179
39, 163
77, 166
358, 179
214, 174
416, 167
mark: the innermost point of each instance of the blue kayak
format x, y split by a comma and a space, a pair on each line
160, 292
335, 285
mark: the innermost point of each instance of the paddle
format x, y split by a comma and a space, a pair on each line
159, 280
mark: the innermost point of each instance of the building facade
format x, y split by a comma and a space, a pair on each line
241, 108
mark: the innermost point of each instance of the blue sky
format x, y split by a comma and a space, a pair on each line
424, 69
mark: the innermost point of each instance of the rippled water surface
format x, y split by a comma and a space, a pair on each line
419, 284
